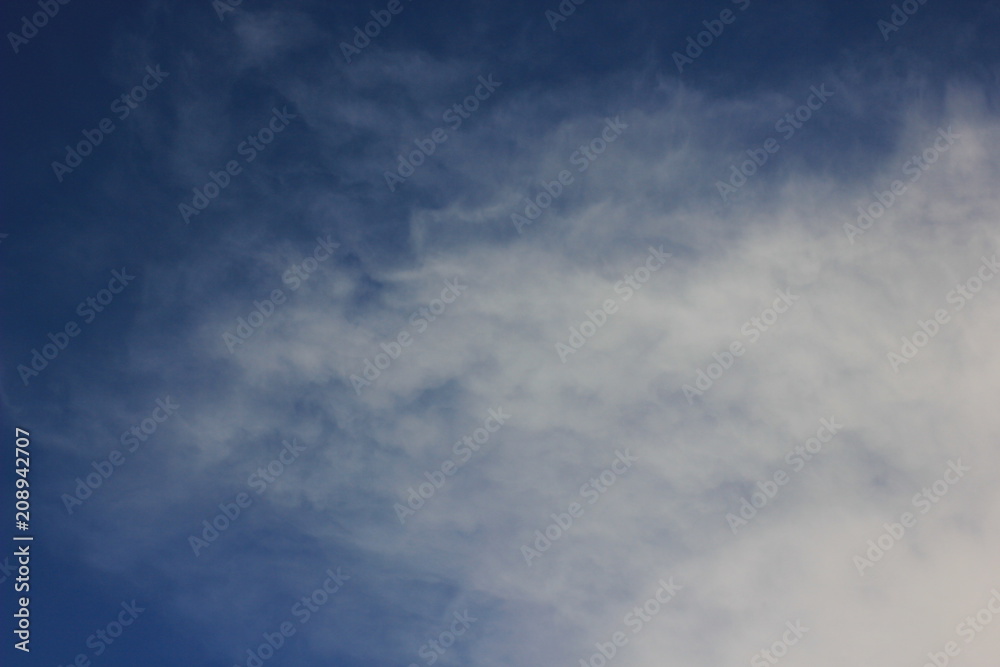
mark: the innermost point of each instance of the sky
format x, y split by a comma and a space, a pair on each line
479, 334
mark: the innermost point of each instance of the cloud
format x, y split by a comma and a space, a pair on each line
495, 346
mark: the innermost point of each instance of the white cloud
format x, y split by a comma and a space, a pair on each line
495, 346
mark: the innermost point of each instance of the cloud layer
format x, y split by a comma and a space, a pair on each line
819, 355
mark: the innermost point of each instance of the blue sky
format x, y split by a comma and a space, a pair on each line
504, 322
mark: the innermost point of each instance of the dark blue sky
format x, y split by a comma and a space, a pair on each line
327, 131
